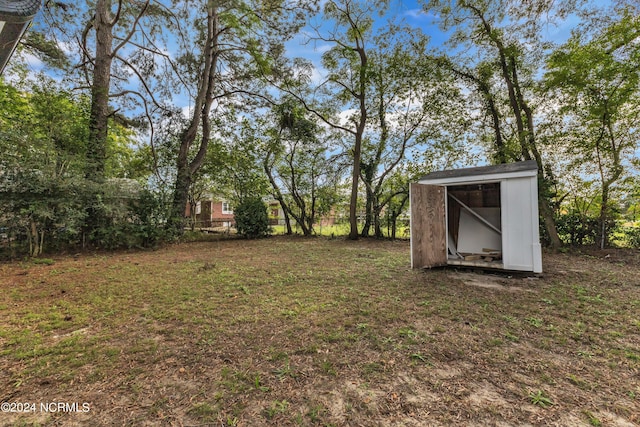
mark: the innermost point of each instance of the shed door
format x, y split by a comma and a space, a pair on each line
428, 226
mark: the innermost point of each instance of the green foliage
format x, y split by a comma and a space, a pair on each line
594, 78
632, 236
46, 49
148, 214
577, 229
294, 150
252, 220
45, 198
539, 398
39, 210
131, 218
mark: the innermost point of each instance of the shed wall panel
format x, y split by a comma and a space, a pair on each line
518, 219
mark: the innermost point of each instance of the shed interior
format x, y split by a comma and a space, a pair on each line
474, 230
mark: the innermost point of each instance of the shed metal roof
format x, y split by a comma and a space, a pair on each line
506, 168
15, 16
19, 8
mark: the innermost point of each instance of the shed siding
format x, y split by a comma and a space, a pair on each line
519, 225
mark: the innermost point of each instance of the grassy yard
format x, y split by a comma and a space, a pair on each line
317, 332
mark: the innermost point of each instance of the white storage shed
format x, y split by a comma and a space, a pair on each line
482, 217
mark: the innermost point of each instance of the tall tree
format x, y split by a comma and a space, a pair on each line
407, 97
597, 81
345, 89
509, 37
347, 62
229, 46
111, 70
112, 30
296, 162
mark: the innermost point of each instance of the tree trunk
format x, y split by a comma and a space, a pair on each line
604, 207
377, 229
285, 210
357, 147
177, 221
368, 210
501, 154
526, 137
99, 115
391, 223
200, 120
35, 240
549, 222
287, 221
353, 202
394, 225
397, 213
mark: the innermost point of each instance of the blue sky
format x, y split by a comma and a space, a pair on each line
413, 14
408, 11
411, 11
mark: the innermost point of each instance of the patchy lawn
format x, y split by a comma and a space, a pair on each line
317, 332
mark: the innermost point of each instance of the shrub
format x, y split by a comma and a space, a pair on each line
251, 217
149, 214
632, 235
577, 229
132, 220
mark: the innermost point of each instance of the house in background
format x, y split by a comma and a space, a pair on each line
275, 212
211, 212
276, 216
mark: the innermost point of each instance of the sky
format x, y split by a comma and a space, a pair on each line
408, 11
412, 13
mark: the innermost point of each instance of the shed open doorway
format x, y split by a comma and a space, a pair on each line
474, 224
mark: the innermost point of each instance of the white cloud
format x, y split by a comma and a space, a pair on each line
346, 115
318, 75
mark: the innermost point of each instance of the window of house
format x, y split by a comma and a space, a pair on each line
198, 208
226, 208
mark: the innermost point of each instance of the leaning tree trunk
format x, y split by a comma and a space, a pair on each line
287, 222
200, 120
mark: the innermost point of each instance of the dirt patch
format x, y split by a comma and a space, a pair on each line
496, 282
486, 394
